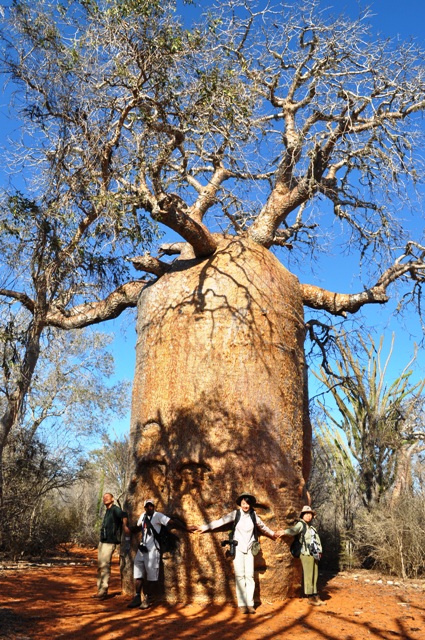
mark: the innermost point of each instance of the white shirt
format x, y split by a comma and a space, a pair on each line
156, 521
244, 532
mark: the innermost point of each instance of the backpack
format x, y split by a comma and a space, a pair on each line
165, 540
315, 546
298, 541
168, 541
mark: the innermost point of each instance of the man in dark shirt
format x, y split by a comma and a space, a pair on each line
110, 535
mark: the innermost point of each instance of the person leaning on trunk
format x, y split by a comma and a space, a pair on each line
148, 557
311, 551
114, 521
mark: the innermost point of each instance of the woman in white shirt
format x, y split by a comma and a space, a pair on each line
245, 535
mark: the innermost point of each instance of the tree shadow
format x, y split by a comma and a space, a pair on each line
44, 604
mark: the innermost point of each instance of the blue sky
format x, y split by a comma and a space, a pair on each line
391, 18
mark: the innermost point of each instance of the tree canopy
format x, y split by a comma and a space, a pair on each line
251, 122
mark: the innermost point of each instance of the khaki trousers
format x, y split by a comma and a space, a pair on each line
310, 574
104, 558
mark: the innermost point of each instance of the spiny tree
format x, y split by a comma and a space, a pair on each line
334, 475
260, 127
379, 418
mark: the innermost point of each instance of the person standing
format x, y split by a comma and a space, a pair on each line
311, 551
114, 521
148, 557
246, 522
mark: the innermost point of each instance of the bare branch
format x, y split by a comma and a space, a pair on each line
171, 212
84, 315
20, 297
150, 264
341, 304
172, 248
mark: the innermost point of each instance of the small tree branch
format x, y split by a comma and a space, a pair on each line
339, 304
172, 248
343, 303
207, 195
150, 264
20, 297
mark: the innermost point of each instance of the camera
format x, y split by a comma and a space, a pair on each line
143, 548
232, 547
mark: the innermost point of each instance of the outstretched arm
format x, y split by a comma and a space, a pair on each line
264, 529
215, 524
182, 526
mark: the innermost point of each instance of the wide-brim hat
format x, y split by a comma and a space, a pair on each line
307, 509
149, 501
245, 495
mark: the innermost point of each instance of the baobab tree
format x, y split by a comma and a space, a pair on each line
259, 128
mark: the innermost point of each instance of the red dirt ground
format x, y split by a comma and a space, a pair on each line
53, 601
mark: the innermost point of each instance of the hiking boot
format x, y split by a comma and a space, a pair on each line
101, 595
243, 609
145, 604
136, 602
251, 609
315, 600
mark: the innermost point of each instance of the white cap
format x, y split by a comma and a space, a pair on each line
149, 501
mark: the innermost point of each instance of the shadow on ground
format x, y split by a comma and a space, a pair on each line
55, 602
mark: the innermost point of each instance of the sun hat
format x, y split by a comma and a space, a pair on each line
252, 498
307, 509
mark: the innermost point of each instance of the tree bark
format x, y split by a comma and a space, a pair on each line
220, 407
16, 399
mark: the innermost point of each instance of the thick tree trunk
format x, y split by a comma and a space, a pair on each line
220, 407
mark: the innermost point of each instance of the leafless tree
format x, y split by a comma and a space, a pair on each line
133, 116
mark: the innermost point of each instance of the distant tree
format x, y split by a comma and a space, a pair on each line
334, 490
32, 473
69, 404
378, 418
411, 449
112, 463
73, 390
334, 478
106, 469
